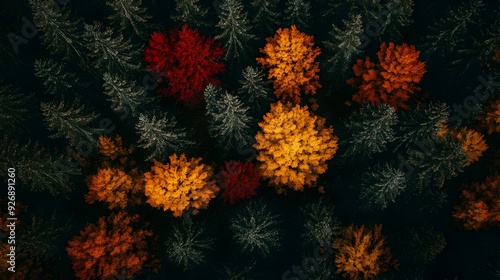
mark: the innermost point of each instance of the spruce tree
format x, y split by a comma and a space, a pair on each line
13, 108
381, 185
161, 136
420, 126
59, 33
399, 14
320, 226
446, 34
343, 46
190, 12
71, 122
267, 16
230, 122
55, 78
123, 94
128, 13
255, 88
110, 52
211, 94
297, 12
367, 131
234, 28
40, 170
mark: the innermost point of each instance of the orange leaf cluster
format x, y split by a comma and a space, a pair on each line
112, 184
480, 204
473, 143
290, 56
490, 119
362, 252
392, 80
293, 146
104, 249
179, 185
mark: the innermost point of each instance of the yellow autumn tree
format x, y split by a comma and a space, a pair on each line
112, 148
362, 253
490, 118
289, 56
473, 142
293, 147
179, 185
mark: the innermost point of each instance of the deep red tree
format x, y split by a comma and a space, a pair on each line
185, 62
239, 180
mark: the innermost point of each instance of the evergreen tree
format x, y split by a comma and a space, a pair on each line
256, 229
55, 78
321, 226
399, 14
230, 122
60, 34
161, 136
451, 30
421, 125
266, 16
234, 28
40, 169
297, 12
71, 122
109, 52
255, 88
381, 185
367, 131
39, 238
13, 108
123, 94
188, 244
343, 46
128, 13
211, 95
442, 161
190, 12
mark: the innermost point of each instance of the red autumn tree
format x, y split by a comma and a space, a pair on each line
239, 181
479, 205
185, 61
392, 80
109, 247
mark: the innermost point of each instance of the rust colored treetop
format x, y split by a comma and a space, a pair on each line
391, 81
290, 57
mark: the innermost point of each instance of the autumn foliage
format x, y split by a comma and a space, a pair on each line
362, 253
185, 61
490, 118
239, 181
391, 81
290, 56
113, 184
473, 143
108, 247
479, 205
179, 185
293, 146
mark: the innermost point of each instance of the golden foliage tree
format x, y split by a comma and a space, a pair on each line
293, 146
112, 148
290, 56
392, 80
479, 205
179, 185
473, 142
110, 246
490, 118
362, 253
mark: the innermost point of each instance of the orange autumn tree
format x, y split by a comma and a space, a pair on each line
293, 147
180, 185
289, 56
392, 80
112, 184
108, 247
490, 118
479, 205
362, 253
473, 142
